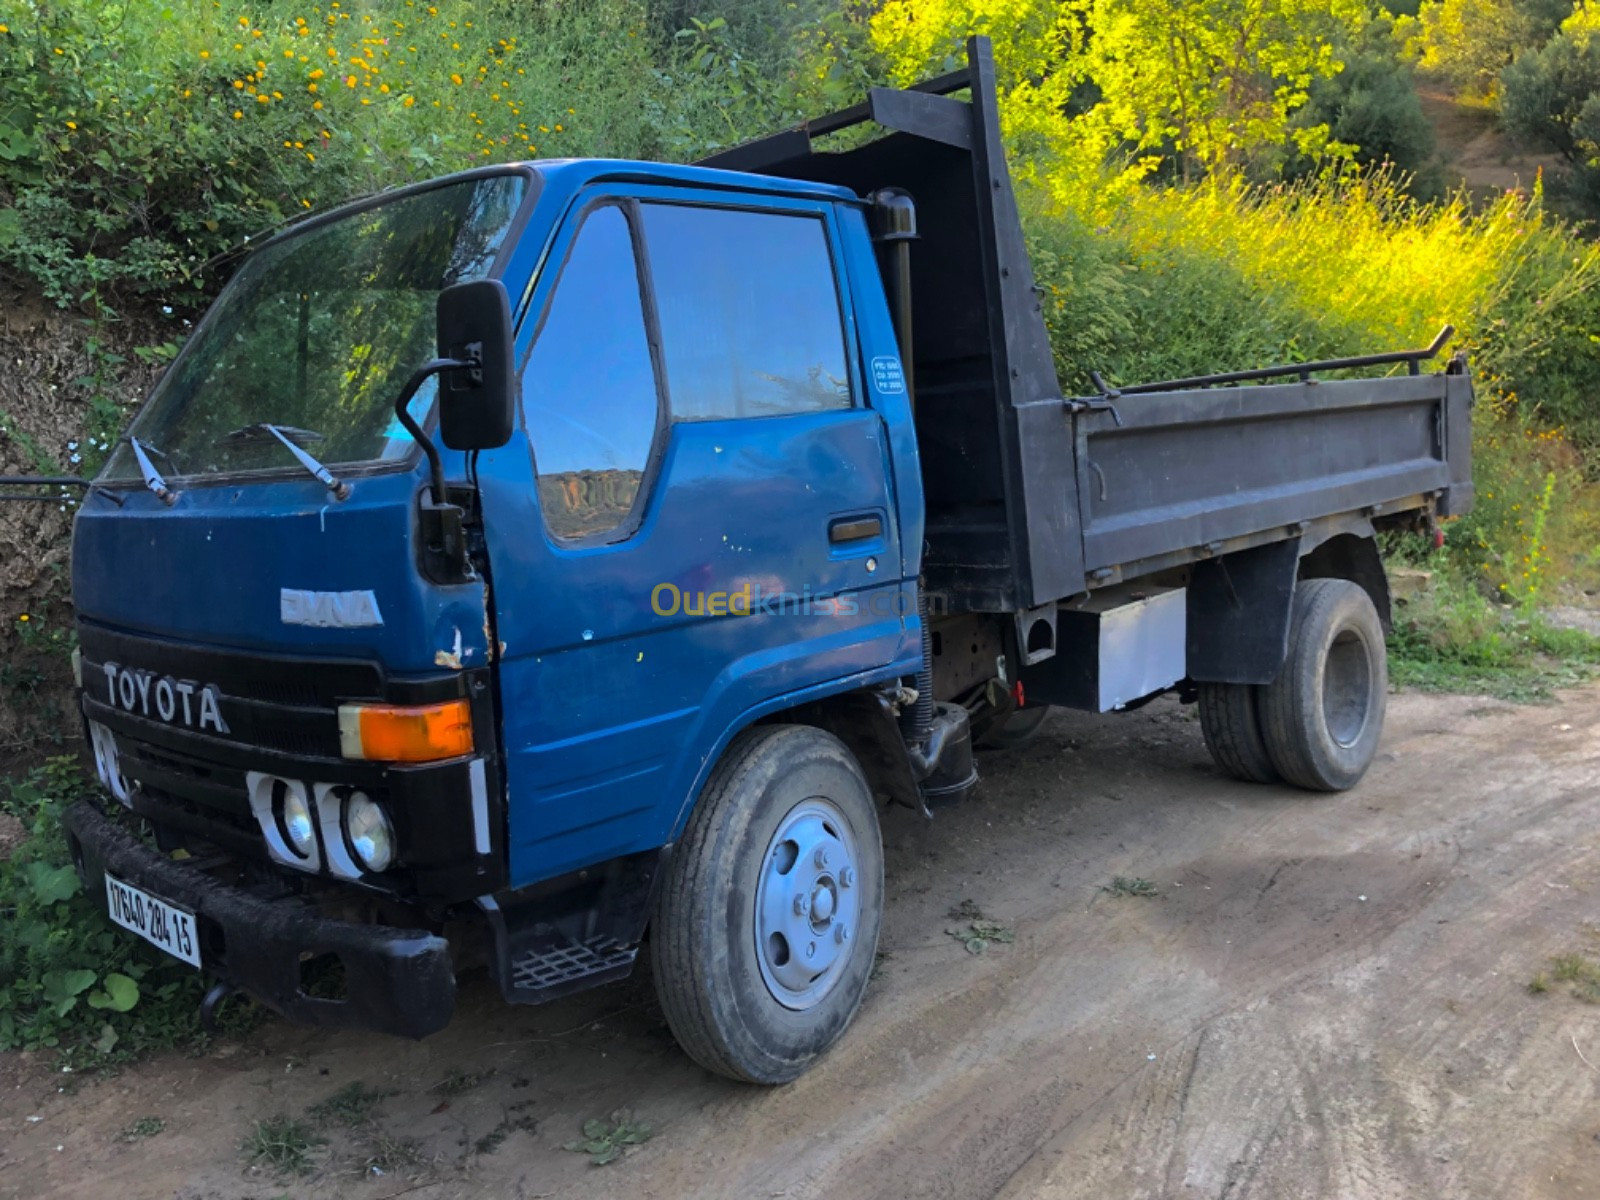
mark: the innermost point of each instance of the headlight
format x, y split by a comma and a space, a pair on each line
371, 835
295, 820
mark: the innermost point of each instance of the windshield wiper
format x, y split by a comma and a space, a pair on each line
152, 477
254, 433
286, 434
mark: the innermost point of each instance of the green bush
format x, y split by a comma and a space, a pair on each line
69, 979
138, 142
1550, 98
1373, 106
1467, 43
1452, 638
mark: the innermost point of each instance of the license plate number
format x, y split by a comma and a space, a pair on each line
163, 925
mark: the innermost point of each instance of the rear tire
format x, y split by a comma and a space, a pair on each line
1232, 729
767, 923
1017, 728
1322, 717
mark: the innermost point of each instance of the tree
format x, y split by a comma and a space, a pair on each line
1551, 97
1372, 104
1217, 80
1468, 43
1211, 83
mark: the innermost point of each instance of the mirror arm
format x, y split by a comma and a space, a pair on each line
402, 413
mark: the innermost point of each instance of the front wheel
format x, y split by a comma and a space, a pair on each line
767, 923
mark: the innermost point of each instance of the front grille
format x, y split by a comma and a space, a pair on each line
279, 715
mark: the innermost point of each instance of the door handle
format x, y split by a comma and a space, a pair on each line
854, 529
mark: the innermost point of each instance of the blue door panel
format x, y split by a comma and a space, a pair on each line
610, 707
620, 677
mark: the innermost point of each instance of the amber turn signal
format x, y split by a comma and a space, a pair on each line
405, 732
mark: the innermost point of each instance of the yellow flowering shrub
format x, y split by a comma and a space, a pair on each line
137, 142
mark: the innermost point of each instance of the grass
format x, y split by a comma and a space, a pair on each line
1451, 638
458, 1082
491, 1141
1123, 885
1580, 973
387, 1154
144, 1127
350, 1105
283, 1145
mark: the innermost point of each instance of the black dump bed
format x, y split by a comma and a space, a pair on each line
1032, 496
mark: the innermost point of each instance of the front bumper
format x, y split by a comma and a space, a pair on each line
398, 981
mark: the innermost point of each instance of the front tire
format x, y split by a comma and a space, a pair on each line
767, 923
1322, 717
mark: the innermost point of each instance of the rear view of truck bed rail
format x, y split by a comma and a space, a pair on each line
1173, 471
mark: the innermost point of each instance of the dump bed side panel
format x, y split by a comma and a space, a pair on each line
1193, 469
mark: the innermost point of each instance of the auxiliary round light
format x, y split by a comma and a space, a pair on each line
299, 827
370, 832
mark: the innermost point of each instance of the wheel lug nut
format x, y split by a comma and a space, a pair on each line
841, 934
802, 906
822, 858
811, 949
847, 877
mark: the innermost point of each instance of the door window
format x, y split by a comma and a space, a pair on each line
749, 311
589, 388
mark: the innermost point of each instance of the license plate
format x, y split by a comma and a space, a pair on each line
163, 925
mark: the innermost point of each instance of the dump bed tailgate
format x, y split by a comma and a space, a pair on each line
1174, 472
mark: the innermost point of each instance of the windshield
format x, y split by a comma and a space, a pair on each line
316, 335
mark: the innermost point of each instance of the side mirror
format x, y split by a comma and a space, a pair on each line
477, 404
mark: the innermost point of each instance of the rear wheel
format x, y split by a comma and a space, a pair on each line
1322, 717
767, 923
1232, 730
1017, 728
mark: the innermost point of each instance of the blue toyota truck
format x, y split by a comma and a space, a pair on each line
565, 560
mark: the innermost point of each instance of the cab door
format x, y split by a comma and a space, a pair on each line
704, 522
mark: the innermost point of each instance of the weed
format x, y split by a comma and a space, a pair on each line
967, 910
387, 1154
1452, 638
980, 934
606, 1141
1581, 973
71, 981
458, 1082
1123, 885
350, 1105
1539, 984
490, 1142
144, 1127
281, 1145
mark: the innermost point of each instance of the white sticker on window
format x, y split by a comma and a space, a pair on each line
887, 376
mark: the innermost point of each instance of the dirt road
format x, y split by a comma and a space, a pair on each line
1327, 998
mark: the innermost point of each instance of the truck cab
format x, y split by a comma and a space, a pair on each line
525, 565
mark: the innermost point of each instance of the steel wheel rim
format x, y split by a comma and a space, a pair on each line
808, 904
1346, 688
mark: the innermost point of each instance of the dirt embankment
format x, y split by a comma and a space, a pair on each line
62, 377
1327, 998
